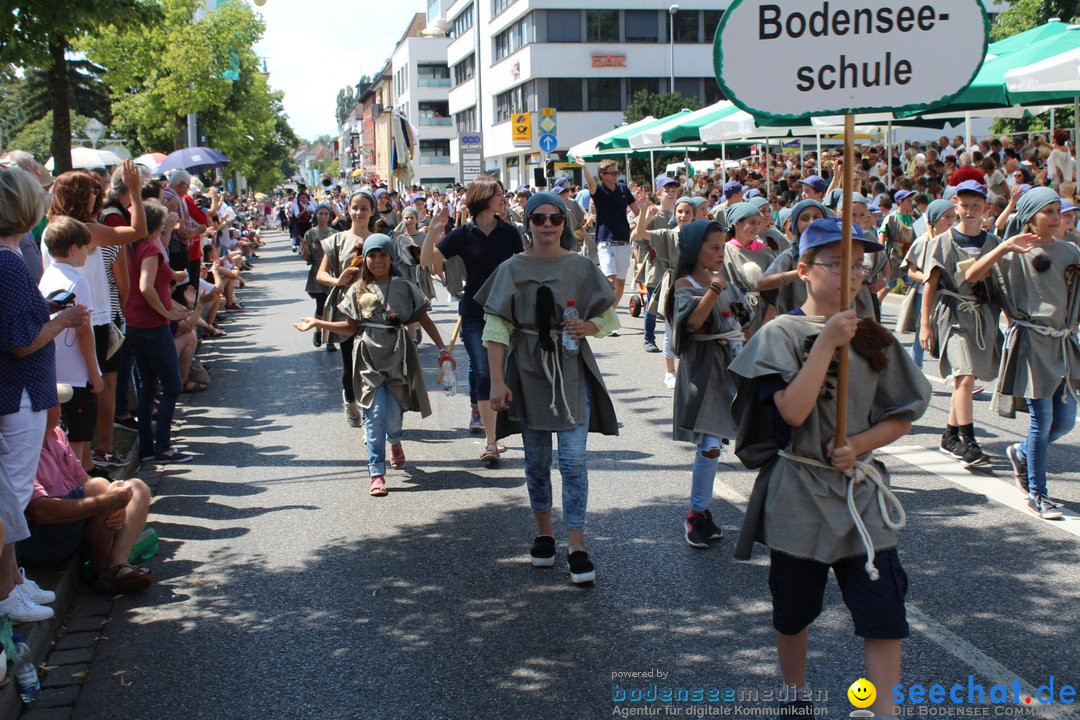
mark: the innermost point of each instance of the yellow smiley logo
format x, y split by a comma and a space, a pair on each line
862, 693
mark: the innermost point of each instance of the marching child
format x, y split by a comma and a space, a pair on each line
786, 410
782, 275
959, 322
1038, 280
746, 258
540, 383
387, 376
707, 336
940, 217
312, 251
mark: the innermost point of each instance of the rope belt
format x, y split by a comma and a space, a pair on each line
724, 337
552, 365
397, 342
1062, 334
968, 304
863, 471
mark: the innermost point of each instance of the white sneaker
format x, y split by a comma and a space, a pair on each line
352, 411
20, 608
34, 591
669, 380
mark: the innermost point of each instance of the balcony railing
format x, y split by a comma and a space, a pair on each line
434, 159
435, 121
433, 82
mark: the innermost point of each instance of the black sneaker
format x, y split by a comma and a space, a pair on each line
795, 709
973, 456
316, 338
650, 347
128, 423
952, 446
1019, 466
1044, 507
581, 569
543, 551
715, 533
696, 529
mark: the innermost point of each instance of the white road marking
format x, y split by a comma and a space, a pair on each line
1005, 493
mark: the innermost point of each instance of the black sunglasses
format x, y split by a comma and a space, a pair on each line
556, 219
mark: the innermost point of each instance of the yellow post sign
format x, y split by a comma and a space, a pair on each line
521, 127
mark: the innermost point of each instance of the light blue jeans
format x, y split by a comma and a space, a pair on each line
1051, 419
917, 350
573, 467
703, 473
382, 423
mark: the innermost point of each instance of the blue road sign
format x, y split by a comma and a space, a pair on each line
548, 142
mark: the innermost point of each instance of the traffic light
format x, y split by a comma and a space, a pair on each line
549, 169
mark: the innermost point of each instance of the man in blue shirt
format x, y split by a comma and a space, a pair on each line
612, 198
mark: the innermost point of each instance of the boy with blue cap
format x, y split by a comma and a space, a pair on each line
896, 234
785, 408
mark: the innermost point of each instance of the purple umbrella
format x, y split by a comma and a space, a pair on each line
194, 160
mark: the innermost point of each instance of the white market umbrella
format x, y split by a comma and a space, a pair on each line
84, 157
590, 147
653, 136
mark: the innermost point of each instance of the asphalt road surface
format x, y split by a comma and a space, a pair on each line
283, 590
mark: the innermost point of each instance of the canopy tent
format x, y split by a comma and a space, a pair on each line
590, 147
621, 140
682, 124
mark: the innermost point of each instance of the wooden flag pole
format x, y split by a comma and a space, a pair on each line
845, 278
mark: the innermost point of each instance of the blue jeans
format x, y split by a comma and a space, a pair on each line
650, 319
472, 333
1051, 419
573, 466
123, 379
382, 422
917, 349
156, 359
704, 473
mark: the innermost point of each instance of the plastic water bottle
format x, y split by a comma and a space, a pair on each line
570, 345
728, 323
25, 673
449, 382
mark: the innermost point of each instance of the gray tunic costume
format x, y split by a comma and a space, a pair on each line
777, 238
663, 246
652, 272
1034, 362
795, 508
965, 322
793, 295
735, 258
383, 354
511, 294
908, 316
339, 249
408, 263
454, 275
313, 240
703, 390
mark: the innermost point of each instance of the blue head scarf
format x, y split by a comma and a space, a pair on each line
691, 238
934, 211
378, 241
800, 208
739, 212
1029, 205
550, 198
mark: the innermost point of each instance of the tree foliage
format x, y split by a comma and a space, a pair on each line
36, 137
346, 98
1025, 14
645, 103
158, 73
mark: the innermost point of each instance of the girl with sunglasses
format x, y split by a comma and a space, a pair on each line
539, 388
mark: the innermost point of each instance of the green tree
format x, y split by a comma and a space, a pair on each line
645, 103
1026, 14
346, 98
36, 137
35, 34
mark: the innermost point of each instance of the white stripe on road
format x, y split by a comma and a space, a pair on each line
1006, 493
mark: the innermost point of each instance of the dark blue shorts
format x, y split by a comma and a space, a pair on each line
52, 544
876, 606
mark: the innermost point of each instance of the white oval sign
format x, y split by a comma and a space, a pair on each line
831, 57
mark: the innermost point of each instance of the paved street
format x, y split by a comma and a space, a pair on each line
283, 590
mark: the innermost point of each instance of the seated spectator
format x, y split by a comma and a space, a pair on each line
226, 277
69, 509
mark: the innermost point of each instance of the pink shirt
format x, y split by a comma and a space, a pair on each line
58, 471
754, 246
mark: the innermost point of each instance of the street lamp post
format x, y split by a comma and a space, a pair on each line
671, 36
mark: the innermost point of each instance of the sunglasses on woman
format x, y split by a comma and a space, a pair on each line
541, 219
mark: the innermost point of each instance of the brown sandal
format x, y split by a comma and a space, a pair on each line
490, 457
123, 578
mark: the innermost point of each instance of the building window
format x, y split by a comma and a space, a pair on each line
712, 20
641, 26
602, 26
434, 152
564, 26
465, 121
713, 93
497, 6
465, 70
515, 100
565, 94
513, 38
462, 22
604, 94
434, 114
432, 76
688, 87
635, 85
686, 26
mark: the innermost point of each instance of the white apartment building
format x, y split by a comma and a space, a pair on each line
421, 87
508, 57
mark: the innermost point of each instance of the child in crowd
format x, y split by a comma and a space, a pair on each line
746, 258
785, 407
1038, 280
537, 386
312, 252
940, 217
707, 336
782, 275
387, 376
68, 242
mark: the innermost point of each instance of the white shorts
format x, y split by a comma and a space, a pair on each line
614, 259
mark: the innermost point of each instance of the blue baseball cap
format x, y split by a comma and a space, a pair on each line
971, 186
662, 181
1067, 206
817, 182
1024, 187
559, 188
523, 189
753, 193
830, 230
902, 195
731, 187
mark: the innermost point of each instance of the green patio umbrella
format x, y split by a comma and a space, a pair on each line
621, 140
688, 129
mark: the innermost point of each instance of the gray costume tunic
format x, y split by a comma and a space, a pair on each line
778, 238
339, 249
966, 335
511, 294
795, 508
1034, 362
652, 272
735, 258
385, 356
790, 296
313, 239
663, 246
908, 316
409, 266
454, 275
703, 390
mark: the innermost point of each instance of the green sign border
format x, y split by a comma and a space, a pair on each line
718, 70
